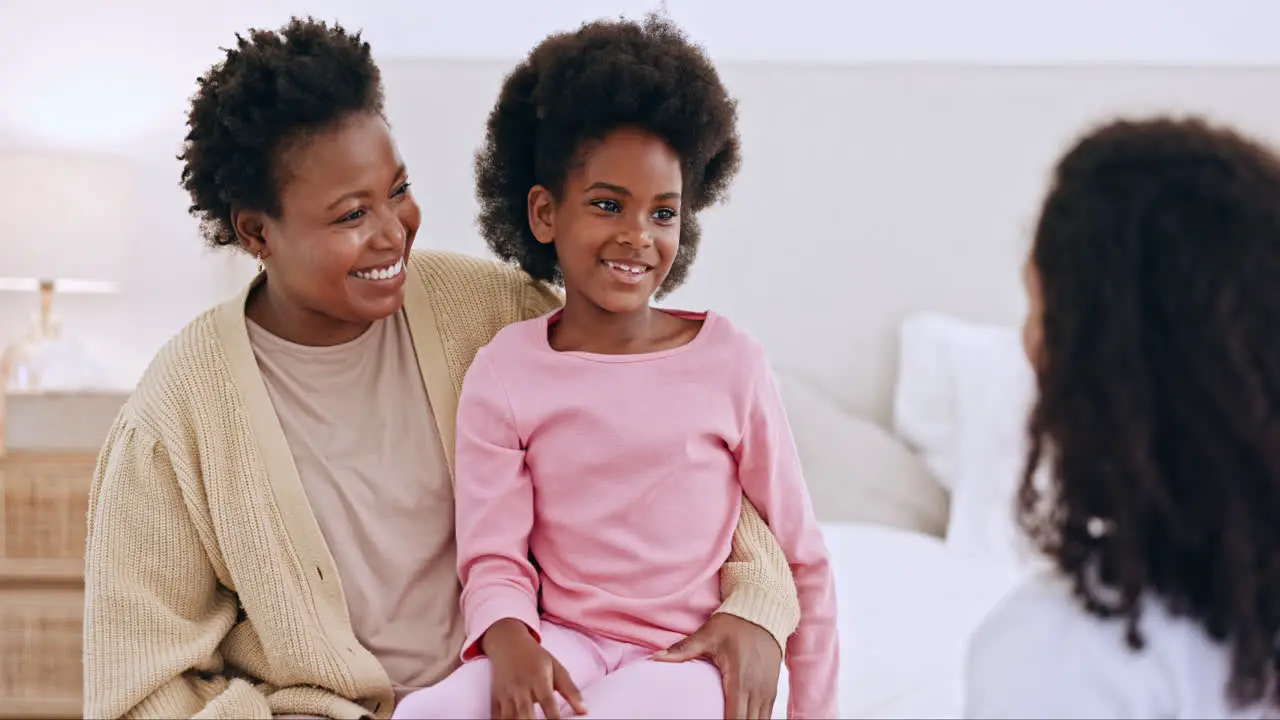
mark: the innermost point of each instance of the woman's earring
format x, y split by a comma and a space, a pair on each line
261, 267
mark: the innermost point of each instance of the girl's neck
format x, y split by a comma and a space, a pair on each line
585, 327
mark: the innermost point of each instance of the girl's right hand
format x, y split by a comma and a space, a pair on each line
525, 674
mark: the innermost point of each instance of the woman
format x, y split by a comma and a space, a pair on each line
304, 430
1154, 287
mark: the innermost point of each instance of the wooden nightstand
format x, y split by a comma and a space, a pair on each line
52, 441
43, 501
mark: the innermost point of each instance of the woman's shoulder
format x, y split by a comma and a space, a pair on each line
188, 374
1045, 608
482, 285
1040, 651
1042, 602
451, 265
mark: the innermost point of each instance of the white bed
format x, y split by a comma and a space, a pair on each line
907, 607
918, 519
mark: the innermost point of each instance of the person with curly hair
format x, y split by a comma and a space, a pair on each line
1152, 482
613, 439
271, 521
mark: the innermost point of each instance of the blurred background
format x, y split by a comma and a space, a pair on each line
894, 142
916, 130
894, 153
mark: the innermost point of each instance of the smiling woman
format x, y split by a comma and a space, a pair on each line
271, 524
333, 265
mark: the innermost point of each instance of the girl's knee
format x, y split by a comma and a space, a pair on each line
417, 705
464, 695
684, 691
431, 704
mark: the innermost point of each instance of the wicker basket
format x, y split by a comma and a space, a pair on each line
40, 642
43, 502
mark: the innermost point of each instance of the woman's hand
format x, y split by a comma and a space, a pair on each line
748, 657
525, 674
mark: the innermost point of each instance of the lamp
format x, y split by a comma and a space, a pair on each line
65, 225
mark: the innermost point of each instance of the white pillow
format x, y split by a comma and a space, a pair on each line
925, 402
964, 393
995, 394
856, 470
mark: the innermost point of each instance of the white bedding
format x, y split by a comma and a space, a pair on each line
908, 599
907, 607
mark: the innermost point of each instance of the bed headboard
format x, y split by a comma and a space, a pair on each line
866, 192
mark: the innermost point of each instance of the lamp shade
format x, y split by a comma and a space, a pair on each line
66, 216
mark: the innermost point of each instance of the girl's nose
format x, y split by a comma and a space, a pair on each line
636, 239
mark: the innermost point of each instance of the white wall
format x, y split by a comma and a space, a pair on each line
865, 192
1162, 32
115, 77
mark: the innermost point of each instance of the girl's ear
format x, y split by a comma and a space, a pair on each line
542, 214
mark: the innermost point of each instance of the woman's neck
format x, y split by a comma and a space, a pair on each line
290, 321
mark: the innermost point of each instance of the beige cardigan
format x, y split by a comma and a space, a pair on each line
210, 591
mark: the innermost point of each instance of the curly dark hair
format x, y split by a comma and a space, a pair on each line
272, 90
1158, 419
580, 86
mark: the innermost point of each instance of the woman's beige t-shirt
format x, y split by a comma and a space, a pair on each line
359, 426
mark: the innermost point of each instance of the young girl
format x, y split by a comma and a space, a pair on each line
1154, 283
613, 440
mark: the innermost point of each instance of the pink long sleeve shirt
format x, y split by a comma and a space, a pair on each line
624, 474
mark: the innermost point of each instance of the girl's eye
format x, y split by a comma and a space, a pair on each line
609, 206
665, 214
404, 188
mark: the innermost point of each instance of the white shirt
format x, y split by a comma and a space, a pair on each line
1039, 654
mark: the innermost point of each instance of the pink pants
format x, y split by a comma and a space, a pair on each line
617, 680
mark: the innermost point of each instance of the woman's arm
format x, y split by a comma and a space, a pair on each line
494, 509
154, 612
769, 470
756, 581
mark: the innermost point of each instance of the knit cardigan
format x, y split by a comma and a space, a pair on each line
209, 590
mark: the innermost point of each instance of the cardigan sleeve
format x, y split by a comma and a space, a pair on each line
154, 611
755, 581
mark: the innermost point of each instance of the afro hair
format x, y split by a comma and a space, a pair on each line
272, 90
578, 87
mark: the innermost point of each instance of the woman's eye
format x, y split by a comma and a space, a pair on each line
404, 188
665, 214
352, 216
609, 206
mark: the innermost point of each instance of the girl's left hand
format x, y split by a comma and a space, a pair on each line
749, 660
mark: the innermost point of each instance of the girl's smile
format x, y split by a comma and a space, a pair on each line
627, 272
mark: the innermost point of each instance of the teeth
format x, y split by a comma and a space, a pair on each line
633, 269
385, 273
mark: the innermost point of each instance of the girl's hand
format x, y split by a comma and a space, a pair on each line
525, 674
748, 657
